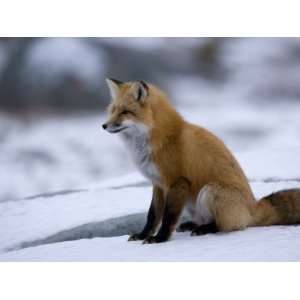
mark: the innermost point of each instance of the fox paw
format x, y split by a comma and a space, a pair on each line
186, 226
136, 237
205, 229
197, 231
154, 240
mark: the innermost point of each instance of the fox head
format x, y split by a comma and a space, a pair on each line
129, 110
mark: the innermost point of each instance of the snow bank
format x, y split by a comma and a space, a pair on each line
276, 243
28, 220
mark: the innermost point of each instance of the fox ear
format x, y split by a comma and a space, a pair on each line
141, 90
113, 85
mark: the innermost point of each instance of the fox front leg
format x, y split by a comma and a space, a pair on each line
175, 200
154, 215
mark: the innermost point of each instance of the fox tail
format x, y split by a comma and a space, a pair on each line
280, 208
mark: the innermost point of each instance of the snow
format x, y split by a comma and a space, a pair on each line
264, 67
276, 164
44, 216
59, 226
56, 153
264, 244
56, 57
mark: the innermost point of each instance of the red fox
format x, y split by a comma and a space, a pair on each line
189, 167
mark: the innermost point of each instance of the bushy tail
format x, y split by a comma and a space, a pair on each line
280, 208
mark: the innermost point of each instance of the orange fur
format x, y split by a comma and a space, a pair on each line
179, 149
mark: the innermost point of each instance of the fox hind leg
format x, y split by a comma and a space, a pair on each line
202, 218
222, 208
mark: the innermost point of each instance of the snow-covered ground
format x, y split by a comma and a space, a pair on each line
93, 224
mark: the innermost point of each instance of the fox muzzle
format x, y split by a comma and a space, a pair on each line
113, 128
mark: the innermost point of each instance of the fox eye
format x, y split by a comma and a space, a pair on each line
125, 112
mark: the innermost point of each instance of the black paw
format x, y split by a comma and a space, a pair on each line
198, 231
205, 229
136, 237
186, 226
154, 240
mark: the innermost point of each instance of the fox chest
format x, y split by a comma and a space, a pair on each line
140, 152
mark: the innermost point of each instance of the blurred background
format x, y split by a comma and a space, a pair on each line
53, 99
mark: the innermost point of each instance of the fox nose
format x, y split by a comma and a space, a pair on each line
104, 126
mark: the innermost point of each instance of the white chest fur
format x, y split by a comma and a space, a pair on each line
136, 140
